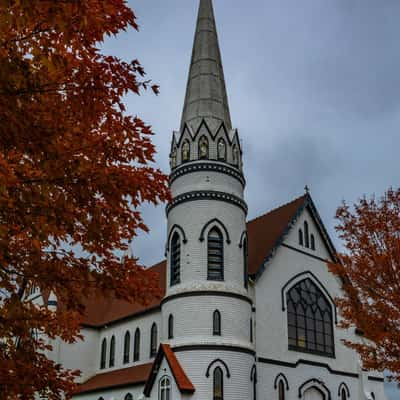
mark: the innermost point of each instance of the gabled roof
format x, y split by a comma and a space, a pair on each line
182, 381
266, 233
137, 375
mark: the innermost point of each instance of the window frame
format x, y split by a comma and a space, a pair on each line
111, 360
103, 354
215, 388
281, 390
167, 387
153, 340
215, 255
170, 326
136, 345
217, 324
175, 259
127, 347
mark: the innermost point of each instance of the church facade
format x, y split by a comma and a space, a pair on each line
247, 310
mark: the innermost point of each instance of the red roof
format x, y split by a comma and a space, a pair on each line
183, 382
264, 234
137, 375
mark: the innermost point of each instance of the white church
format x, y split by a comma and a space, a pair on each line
248, 309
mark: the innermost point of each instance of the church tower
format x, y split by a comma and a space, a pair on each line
207, 311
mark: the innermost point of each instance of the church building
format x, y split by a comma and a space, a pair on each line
247, 309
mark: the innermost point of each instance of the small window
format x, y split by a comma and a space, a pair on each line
312, 242
175, 259
164, 389
217, 323
153, 340
215, 255
171, 327
235, 155
173, 158
301, 240
221, 150
112, 352
343, 394
136, 346
281, 390
218, 384
127, 346
203, 147
185, 151
251, 331
103, 354
306, 235
245, 264
128, 396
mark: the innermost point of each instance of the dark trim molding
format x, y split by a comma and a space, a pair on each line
345, 387
253, 373
172, 230
376, 379
206, 293
218, 360
217, 222
207, 195
213, 166
320, 385
321, 286
243, 236
278, 378
306, 362
235, 349
305, 253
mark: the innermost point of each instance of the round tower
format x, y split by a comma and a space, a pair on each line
207, 310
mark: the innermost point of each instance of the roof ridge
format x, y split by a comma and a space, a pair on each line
276, 208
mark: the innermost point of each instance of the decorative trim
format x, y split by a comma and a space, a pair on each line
207, 195
345, 387
253, 374
206, 293
320, 285
218, 360
172, 230
215, 221
279, 377
317, 384
304, 252
243, 236
236, 349
307, 362
211, 166
376, 379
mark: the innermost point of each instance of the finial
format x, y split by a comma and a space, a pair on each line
307, 189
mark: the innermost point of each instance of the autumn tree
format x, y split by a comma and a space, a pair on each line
74, 167
370, 273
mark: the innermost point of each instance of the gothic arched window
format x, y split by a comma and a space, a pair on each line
170, 326
203, 147
218, 384
306, 234
343, 394
281, 390
215, 255
136, 346
127, 346
164, 388
103, 354
301, 240
235, 155
251, 331
310, 326
312, 242
128, 396
221, 150
245, 264
153, 340
112, 352
217, 323
175, 259
173, 158
185, 151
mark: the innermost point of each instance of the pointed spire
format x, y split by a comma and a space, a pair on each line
206, 92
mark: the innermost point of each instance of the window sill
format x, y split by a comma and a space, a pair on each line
315, 352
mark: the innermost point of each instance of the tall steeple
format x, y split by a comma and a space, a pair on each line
206, 95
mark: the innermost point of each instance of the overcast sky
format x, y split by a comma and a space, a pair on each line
313, 86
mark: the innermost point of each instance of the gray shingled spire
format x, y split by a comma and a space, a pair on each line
206, 93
